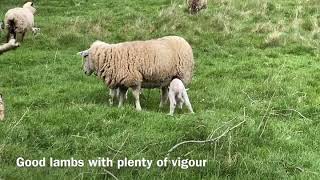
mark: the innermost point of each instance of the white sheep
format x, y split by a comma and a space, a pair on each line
178, 96
140, 64
20, 21
195, 6
1, 108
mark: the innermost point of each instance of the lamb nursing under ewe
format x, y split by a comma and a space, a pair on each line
140, 64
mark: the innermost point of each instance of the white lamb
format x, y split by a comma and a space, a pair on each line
20, 21
178, 96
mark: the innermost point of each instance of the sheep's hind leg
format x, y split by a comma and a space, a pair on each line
164, 96
122, 92
112, 94
136, 94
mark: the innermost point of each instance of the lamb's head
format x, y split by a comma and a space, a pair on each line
30, 6
88, 66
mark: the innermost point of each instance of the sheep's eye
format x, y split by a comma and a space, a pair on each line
31, 3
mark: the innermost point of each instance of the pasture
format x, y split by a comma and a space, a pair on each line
257, 70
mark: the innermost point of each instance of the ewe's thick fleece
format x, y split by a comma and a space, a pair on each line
22, 17
152, 63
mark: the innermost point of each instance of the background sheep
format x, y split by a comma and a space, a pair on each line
195, 6
19, 21
178, 95
141, 64
12, 44
1, 108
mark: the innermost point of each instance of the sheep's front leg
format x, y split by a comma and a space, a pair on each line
136, 94
164, 96
122, 92
112, 94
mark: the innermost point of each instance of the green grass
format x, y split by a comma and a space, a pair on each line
255, 60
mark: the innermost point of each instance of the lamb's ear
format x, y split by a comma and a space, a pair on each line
84, 53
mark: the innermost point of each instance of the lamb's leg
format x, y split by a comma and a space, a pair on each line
173, 102
122, 92
22, 36
136, 94
180, 99
187, 101
112, 94
164, 96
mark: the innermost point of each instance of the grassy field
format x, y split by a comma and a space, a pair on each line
257, 62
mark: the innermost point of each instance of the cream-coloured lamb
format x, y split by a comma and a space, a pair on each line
19, 21
178, 96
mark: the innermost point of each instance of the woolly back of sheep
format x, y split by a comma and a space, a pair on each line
152, 63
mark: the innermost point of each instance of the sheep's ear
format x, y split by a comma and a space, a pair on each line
84, 53
187, 89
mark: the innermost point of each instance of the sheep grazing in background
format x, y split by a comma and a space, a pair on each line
20, 21
195, 6
1, 108
140, 64
178, 96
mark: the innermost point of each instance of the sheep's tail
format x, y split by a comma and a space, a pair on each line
11, 29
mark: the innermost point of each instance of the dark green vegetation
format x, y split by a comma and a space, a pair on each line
255, 60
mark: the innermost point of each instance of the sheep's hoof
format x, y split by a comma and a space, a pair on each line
138, 109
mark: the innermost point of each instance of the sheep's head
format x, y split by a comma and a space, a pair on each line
30, 6
88, 66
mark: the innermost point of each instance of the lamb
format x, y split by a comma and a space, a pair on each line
195, 6
178, 95
140, 64
20, 21
1, 108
